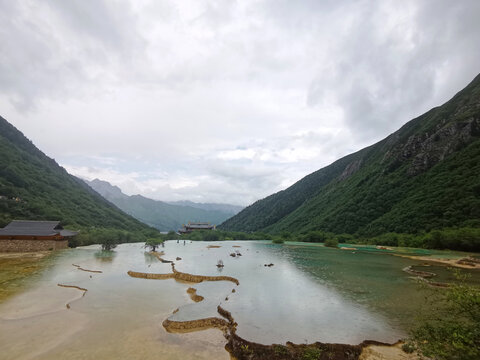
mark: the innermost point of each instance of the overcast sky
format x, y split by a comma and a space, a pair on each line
225, 101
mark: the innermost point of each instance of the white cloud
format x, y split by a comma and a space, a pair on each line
224, 101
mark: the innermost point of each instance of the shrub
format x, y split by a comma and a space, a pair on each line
314, 236
280, 349
262, 236
311, 353
408, 347
211, 236
195, 236
278, 241
172, 235
331, 243
453, 331
344, 238
73, 242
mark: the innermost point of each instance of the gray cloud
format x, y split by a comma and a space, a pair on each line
390, 70
54, 49
225, 101
113, 27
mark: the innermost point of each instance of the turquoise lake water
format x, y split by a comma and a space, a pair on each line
311, 293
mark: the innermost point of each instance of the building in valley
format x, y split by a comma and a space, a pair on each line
195, 226
25, 236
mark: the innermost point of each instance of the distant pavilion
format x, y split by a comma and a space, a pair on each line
25, 236
195, 226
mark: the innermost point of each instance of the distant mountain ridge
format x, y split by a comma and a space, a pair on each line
424, 176
226, 208
162, 215
34, 187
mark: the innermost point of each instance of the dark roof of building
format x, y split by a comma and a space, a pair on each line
35, 228
199, 226
68, 233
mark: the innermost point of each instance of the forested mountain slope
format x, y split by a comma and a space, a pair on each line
226, 208
161, 215
34, 187
423, 176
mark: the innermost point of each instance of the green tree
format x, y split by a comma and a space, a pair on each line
153, 243
108, 239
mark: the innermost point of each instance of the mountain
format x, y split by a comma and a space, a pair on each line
226, 208
161, 215
34, 187
424, 176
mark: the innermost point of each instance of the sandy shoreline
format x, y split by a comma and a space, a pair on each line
449, 262
381, 352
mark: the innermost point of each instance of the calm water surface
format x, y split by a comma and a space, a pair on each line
311, 294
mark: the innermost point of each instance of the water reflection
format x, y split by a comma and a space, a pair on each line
369, 278
105, 256
149, 258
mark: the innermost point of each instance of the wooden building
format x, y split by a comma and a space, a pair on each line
25, 236
195, 226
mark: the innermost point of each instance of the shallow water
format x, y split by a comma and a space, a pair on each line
17, 273
311, 294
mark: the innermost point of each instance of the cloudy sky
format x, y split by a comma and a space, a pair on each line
224, 101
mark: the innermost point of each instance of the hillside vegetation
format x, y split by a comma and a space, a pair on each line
425, 176
34, 187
